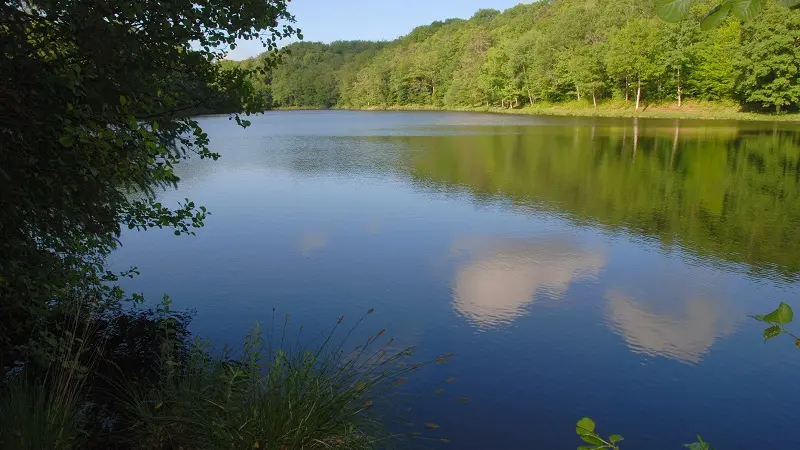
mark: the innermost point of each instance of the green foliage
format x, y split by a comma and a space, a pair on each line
769, 57
585, 430
32, 417
676, 10
272, 394
95, 105
777, 320
557, 51
699, 445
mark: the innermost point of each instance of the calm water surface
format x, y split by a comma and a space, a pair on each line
576, 266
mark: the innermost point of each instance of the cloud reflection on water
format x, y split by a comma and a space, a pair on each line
685, 335
503, 276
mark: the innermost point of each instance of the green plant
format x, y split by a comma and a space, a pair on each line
34, 417
585, 429
40, 403
777, 320
271, 395
676, 10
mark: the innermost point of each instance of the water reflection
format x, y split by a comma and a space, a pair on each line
685, 336
503, 276
312, 241
727, 192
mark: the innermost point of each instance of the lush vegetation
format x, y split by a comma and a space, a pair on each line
727, 193
555, 51
96, 106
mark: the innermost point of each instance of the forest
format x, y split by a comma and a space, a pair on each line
553, 51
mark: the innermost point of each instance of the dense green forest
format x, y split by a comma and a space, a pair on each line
553, 51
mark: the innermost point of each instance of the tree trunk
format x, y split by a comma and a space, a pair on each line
578, 91
530, 96
680, 94
638, 92
594, 99
516, 101
626, 90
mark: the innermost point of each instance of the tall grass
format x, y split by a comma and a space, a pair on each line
269, 394
39, 410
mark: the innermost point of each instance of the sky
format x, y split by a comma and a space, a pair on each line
373, 20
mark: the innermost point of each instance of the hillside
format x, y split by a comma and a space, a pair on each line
553, 51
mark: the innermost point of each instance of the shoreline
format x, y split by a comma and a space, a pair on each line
690, 110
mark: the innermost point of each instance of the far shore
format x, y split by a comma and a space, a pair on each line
689, 110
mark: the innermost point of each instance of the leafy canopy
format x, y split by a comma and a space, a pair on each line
95, 106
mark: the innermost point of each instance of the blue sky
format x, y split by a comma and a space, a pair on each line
332, 20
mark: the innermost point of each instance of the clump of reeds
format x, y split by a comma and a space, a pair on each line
269, 394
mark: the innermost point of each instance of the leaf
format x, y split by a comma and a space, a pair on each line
747, 9
592, 439
614, 438
716, 16
66, 140
772, 332
585, 424
797, 342
585, 430
123, 100
431, 426
782, 315
699, 445
672, 10
791, 4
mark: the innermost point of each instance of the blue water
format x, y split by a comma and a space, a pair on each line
316, 214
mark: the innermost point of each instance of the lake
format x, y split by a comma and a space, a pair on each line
575, 266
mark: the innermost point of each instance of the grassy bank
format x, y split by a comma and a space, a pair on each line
689, 110
279, 390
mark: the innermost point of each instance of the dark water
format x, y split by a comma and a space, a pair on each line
575, 266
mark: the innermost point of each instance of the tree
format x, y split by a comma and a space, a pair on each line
679, 55
770, 56
91, 129
676, 10
633, 54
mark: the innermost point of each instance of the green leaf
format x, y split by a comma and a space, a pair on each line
585, 424
747, 9
66, 140
123, 100
585, 430
614, 438
782, 315
791, 4
772, 332
672, 10
716, 16
592, 439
